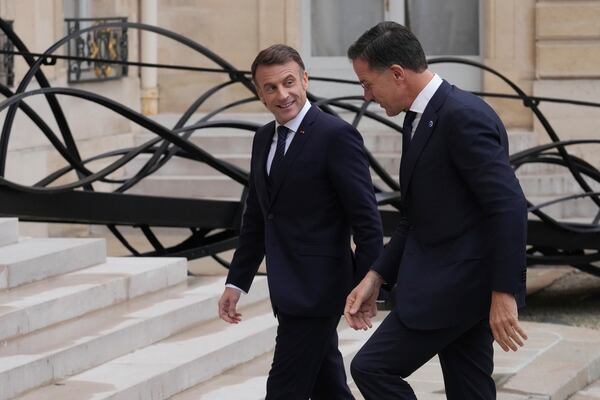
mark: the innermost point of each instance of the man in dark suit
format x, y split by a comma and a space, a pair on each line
458, 255
310, 189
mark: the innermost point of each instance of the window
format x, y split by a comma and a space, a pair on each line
445, 28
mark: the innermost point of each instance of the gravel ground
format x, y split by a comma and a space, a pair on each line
573, 299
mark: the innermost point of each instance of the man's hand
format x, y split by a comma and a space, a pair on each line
227, 305
504, 322
361, 303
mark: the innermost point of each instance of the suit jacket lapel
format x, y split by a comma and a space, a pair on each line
424, 130
300, 138
265, 135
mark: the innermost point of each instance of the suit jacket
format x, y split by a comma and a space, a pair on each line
303, 222
465, 216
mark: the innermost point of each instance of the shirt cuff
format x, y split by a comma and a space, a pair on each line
229, 285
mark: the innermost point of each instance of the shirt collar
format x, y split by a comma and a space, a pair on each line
426, 94
294, 123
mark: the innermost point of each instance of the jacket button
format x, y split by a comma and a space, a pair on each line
270, 216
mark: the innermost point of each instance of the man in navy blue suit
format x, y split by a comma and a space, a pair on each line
309, 190
458, 256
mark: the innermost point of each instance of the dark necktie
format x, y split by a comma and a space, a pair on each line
282, 132
407, 129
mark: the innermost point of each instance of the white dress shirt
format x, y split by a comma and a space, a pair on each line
293, 125
422, 99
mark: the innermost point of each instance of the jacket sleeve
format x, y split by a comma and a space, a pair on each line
479, 150
250, 250
349, 172
387, 265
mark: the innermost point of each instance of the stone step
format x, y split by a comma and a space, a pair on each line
569, 210
41, 304
552, 184
217, 187
569, 365
230, 141
537, 188
9, 231
32, 260
170, 119
174, 364
519, 140
214, 140
185, 167
366, 124
541, 169
248, 381
591, 392
534, 186
195, 187
87, 342
556, 362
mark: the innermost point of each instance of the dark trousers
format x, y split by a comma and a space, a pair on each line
394, 352
307, 362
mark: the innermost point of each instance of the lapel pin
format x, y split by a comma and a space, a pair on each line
430, 123
301, 131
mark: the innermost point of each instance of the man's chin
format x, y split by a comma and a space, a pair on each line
286, 115
391, 113
387, 112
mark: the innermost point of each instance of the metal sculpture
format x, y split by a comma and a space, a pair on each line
214, 224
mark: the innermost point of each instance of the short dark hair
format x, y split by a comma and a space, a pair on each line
276, 54
389, 43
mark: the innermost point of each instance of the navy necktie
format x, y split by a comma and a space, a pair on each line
407, 129
282, 132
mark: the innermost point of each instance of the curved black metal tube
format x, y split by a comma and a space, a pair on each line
550, 239
529, 103
54, 105
47, 131
134, 117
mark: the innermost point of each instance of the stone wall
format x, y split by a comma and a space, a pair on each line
509, 27
40, 23
235, 30
567, 42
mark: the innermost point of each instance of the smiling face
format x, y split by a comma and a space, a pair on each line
282, 89
387, 87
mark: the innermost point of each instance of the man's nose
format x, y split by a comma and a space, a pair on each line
282, 93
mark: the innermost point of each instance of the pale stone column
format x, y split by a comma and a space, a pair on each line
510, 49
7, 9
149, 46
567, 59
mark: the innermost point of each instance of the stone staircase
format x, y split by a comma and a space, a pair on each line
139, 328
184, 178
248, 381
75, 324
544, 182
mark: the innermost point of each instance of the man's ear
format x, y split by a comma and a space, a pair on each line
305, 80
398, 72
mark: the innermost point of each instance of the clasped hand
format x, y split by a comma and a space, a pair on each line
361, 303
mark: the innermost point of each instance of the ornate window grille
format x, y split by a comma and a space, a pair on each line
103, 44
7, 61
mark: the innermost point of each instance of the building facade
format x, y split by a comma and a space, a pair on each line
547, 47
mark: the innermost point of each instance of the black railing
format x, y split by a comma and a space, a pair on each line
7, 59
91, 53
213, 225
